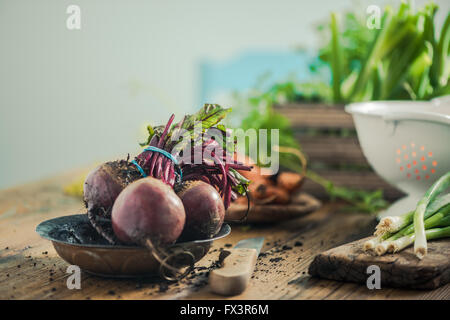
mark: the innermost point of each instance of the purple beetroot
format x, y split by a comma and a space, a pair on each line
204, 209
101, 188
148, 210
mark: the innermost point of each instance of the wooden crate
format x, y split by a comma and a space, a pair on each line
335, 156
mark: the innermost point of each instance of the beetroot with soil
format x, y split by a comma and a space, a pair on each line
169, 160
145, 210
101, 188
204, 209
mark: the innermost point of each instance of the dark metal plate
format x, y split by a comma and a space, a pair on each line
78, 243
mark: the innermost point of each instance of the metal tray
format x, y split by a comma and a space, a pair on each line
73, 242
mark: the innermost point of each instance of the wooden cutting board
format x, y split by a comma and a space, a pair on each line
349, 263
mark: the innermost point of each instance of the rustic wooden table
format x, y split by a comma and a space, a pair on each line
31, 269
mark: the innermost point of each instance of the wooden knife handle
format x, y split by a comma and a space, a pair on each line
233, 277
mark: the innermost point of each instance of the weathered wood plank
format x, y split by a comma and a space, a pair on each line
317, 116
333, 150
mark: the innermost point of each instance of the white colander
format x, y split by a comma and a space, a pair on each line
407, 143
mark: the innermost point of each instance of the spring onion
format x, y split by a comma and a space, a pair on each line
393, 224
439, 219
389, 225
431, 234
428, 221
420, 241
392, 229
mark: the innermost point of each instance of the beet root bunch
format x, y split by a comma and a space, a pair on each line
166, 161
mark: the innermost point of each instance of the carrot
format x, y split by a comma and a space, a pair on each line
258, 188
256, 173
281, 195
289, 181
264, 192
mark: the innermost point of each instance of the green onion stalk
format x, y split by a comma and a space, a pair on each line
420, 241
395, 233
430, 234
396, 223
440, 219
391, 228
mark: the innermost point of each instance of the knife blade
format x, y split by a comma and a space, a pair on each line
237, 267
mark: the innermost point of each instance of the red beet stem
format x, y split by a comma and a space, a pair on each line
160, 145
223, 169
158, 167
166, 129
167, 164
171, 176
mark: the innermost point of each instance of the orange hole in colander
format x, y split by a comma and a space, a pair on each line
430, 154
434, 163
418, 178
424, 167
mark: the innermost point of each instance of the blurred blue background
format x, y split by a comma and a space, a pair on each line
219, 79
69, 98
